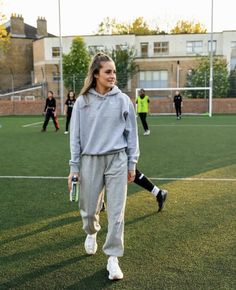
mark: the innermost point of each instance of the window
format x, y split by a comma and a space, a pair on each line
55, 51
194, 46
213, 46
161, 47
233, 63
96, 48
233, 55
144, 49
153, 79
56, 76
233, 44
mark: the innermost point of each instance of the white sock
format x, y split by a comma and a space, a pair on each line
155, 190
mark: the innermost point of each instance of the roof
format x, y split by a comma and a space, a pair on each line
30, 31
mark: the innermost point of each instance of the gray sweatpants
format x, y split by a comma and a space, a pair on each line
109, 173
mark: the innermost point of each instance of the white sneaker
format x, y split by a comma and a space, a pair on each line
113, 268
90, 244
147, 132
66, 132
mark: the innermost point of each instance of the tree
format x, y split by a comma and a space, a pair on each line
199, 77
123, 58
4, 36
108, 26
75, 65
125, 65
138, 27
184, 26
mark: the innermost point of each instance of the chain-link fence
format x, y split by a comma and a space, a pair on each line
26, 93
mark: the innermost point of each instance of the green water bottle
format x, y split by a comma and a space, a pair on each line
74, 193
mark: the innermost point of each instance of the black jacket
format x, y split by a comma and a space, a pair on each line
50, 104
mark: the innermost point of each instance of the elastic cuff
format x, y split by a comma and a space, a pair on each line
131, 166
74, 169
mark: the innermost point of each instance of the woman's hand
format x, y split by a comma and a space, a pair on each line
131, 176
70, 179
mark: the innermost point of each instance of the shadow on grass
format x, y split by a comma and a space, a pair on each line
40, 272
42, 250
139, 219
51, 225
98, 281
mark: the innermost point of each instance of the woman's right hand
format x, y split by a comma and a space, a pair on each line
131, 175
70, 179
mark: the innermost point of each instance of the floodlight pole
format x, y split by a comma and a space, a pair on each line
211, 64
60, 61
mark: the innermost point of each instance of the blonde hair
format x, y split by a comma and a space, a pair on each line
94, 67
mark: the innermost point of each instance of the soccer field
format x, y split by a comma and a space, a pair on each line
189, 245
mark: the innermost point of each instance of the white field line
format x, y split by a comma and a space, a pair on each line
153, 178
32, 177
193, 125
32, 124
161, 125
37, 123
192, 179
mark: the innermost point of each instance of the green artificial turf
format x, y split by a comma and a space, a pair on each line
189, 245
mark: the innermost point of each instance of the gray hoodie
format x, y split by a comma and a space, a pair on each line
101, 125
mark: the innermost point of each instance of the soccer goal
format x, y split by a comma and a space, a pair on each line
196, 100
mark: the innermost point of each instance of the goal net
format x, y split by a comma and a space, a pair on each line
195, 100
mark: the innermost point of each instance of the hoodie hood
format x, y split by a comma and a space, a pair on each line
114, 91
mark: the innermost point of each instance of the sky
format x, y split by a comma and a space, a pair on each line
83, 17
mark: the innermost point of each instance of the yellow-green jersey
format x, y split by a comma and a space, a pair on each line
142, 104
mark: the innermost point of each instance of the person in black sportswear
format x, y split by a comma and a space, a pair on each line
68, 109
178, 104
50, 112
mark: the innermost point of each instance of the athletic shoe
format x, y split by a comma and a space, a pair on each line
146, 132
66, 132
161, 198
57, 129
43, 130
113, 268
103, 206
90, 244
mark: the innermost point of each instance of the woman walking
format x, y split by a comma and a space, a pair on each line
104, 152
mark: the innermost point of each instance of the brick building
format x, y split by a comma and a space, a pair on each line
162, 60
16, 64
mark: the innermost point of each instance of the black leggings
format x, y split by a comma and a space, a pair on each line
143, 181
50, 114
178, 109
68, 117
143, 117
